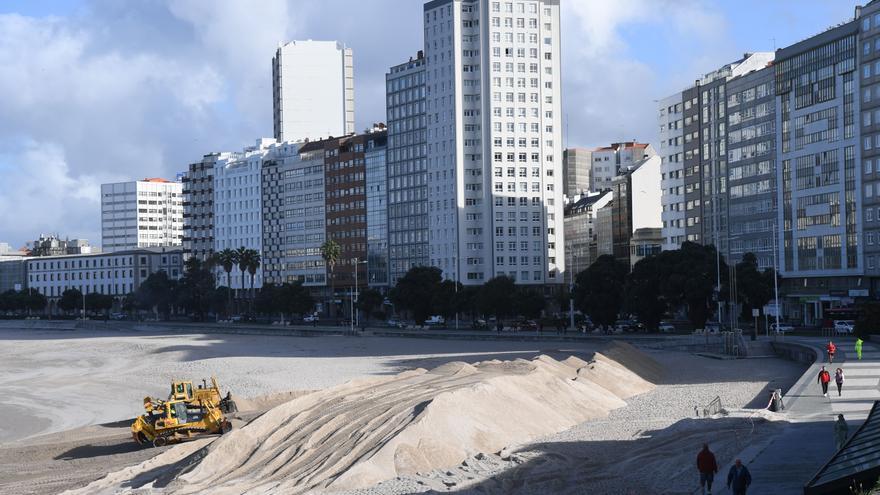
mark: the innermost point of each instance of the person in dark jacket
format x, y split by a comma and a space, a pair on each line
707, 466
824, 378
739, 478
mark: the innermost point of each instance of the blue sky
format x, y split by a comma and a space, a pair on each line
102, 90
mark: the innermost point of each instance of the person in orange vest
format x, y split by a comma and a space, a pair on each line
824, 379
831, 348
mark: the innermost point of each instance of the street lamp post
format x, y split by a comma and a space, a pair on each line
355, 293
571, 291
84, 305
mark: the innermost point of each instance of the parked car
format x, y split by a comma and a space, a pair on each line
628, 326
666, 327
435, 320
311, 318
525, 325
783, 328
394, 322
118, 316
480, 324
712, 327
844, 327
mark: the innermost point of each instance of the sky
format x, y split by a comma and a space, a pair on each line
98, 91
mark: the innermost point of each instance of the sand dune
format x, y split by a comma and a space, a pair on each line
370, 430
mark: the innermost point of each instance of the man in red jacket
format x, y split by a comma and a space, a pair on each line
823, 379
708, 467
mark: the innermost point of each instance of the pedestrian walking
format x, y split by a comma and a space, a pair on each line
831, 348
540, 326
824, 378
739, 478
838, 379
859, 343
499, 326
841, 431
707, 467
775, 404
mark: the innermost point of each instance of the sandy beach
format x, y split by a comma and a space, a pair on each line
81, 388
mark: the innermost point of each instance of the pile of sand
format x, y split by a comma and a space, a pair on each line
370, 430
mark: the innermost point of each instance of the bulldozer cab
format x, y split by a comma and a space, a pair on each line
174, 414
181, 391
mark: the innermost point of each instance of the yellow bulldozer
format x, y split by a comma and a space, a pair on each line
186, 413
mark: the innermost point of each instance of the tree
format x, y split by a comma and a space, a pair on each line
644, 291
267, 301
71, 300
496, 297
466, 299
98, 302
690, 278
415, 291
195, 287
296, 299
444, 301
242, 259
529, 303
11, 301
253, 264
368, 301
868, 322
32, 300
227, 259
598, 290
331, 251
156, 293
753, 288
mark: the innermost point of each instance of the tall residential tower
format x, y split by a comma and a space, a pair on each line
141, 213
312, 90
494, 141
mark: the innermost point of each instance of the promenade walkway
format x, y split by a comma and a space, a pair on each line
783, 463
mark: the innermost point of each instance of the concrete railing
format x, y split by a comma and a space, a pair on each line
795, 352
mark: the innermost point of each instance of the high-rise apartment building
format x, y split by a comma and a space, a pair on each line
818, 151
868, 102
142, 213
238, 207
672, 170
751, 167
494, 144
636, 204
407, 166
694, 147
313, 90
576, 167
610, 161
294, 214
198, 206
375, 164
580, 230
320, 190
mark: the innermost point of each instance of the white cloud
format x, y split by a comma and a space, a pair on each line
122, 90
41, 196
608, 87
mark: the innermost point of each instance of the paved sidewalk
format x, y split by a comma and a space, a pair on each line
784, 463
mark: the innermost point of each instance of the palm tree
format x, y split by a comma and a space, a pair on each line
227, 259
254, 260
242, 256
330, 251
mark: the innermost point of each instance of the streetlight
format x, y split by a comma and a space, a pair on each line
354, 293
571, 289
